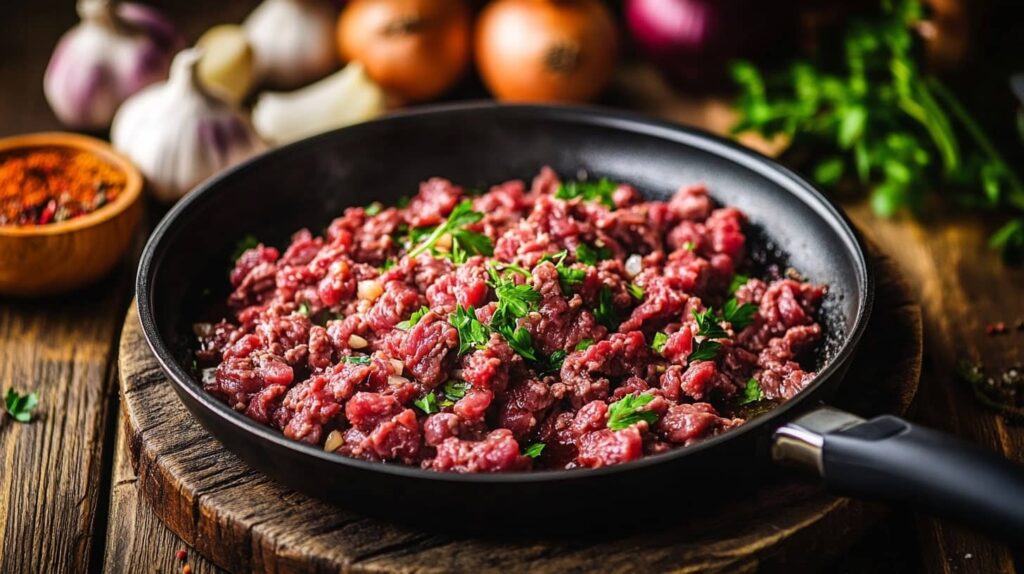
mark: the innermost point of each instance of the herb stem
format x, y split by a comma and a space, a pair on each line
1016, 195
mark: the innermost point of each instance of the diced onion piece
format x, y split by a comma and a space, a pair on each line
369, 290
357, 342
634, 264
396, 381
397, 366
334, 441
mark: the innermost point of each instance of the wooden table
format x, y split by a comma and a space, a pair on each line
68, 498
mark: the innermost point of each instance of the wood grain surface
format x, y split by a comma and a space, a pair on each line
65, 506
244, 521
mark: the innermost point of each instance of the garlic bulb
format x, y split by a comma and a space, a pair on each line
293, 41
225, 67
115, 51
177, 135
343, 98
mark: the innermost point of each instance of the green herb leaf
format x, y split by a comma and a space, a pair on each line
705, 350
739, 316
602, 191
19, 406
534, 450
606, 313
519, 340
244, 244
373, 209
752, 392
636, 291
568, 277
584, 344
460, 217
413, 319
738, 280
588, 255
659, 342
625, 412
689, 246
357, 359
428, 403
472, 333
304, 309
555, 361
455, 390
707, 324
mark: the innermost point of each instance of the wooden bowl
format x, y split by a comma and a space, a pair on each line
55, 258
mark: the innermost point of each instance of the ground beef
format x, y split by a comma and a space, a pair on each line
607, 359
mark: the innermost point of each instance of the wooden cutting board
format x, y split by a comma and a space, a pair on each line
243, 521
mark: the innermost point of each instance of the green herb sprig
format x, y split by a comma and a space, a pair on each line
470, 242
601, 191
20, 406
882, 121
472, 333
625, 412
752, 392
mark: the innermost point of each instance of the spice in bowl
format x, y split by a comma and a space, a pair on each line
39, 186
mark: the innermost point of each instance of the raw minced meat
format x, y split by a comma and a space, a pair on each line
543, 327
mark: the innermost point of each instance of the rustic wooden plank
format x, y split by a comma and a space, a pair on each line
136, 540
243, 521
962, 286
53, 469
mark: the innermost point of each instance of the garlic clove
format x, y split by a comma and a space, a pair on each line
115, 51
293, 41
225, 68
343, 98
178, 136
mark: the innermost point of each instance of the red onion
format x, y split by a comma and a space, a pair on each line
693, 41
115, 51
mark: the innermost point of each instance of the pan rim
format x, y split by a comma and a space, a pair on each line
158, 243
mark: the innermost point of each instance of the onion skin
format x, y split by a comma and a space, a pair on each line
98, 64
693, 41
414, 49
546, 50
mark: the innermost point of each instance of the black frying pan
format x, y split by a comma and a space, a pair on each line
310, 182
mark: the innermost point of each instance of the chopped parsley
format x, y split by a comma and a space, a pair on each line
428, 403
705, 350
588, 255
357, 359
520, 340
554, 362
471, 242
636, 291
388, 264
601, 190
472, 333
534, 450
403, 201
752, 393
739, 316
20, 406
659, 342
606, 314
455, 390
707, 324
304, 309
413, 319
244, 244
738, 280
584, 344
568, 277
373, 209
689, 246
625, 412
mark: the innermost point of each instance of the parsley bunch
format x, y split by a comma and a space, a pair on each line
709, 327
880, 119
515, 301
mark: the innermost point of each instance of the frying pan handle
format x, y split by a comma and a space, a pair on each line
890, 459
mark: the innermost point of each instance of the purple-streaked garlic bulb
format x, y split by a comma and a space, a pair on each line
115, 51
178, 135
